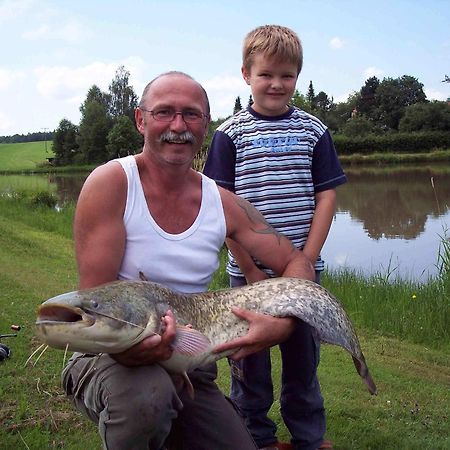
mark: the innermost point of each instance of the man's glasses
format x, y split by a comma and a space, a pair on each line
169, 114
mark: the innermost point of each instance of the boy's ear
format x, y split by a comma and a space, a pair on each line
245, 74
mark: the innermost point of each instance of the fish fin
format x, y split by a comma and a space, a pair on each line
363, 370
189, 341
142, 276
189, 387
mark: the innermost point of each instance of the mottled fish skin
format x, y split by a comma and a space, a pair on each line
128, 311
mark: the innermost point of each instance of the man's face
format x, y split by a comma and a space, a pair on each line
176, 141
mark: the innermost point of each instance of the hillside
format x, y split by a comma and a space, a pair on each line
24, 156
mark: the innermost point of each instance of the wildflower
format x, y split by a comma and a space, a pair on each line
414, 296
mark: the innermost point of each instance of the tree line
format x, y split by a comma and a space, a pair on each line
380, 107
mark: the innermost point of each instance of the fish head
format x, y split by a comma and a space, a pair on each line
106, 319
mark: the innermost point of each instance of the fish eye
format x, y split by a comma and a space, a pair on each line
94, 304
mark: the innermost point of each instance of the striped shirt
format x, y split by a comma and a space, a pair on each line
278, 164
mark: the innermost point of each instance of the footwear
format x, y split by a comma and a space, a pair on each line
326, 445
279, 446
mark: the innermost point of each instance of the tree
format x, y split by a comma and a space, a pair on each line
123, 139
64, 142
250, 100
122, 98
311, 96
237, 105
299, 100
433, 116
94, 127
367, 103
95, 95
358, 126
393, 96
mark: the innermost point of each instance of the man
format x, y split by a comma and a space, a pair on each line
152, 213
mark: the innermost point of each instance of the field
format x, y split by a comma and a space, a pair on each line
24, 156
404, 331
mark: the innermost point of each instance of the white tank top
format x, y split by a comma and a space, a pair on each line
185, 262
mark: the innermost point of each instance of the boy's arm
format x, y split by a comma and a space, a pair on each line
320, 225
245, 262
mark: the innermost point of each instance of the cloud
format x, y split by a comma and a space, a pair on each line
373, 72
10, 9
5, 123
433, 94
222, 92
337, 43
71, 84
8, 77
71, 31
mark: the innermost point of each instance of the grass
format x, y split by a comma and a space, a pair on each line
24, 156
409, 365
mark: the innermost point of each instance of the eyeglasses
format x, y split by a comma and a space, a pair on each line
169, 114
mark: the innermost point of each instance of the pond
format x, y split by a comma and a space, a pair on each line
389, 221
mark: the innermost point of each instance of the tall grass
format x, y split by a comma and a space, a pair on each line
37, 261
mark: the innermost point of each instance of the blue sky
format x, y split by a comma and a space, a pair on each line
52, 51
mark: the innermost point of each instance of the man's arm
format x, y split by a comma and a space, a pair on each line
99, 235
247, 226
99, 231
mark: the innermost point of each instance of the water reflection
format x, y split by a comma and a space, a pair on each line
390, 220
387, 220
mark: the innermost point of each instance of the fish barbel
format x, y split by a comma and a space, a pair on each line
115, 316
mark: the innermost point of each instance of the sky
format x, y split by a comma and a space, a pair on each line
52, 52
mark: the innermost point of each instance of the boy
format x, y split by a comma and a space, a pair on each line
283, 161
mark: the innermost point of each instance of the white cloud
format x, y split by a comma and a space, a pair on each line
433, 94
222, 92
373, 72
71, 84
10, 9
71, 31
8, 77
337, 43
5, 124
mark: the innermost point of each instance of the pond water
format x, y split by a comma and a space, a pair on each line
389, 221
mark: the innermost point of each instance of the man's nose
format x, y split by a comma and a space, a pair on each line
178, 122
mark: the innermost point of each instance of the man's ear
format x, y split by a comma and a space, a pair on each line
139, 119
245, 74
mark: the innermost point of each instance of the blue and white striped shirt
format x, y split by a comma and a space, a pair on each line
278, 164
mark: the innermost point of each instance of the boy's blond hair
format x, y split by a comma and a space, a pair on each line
272, 41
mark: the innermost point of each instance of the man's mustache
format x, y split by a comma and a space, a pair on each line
177, 138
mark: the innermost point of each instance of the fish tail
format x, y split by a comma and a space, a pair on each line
363, 371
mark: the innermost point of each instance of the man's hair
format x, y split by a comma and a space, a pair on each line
174, 73
274, 41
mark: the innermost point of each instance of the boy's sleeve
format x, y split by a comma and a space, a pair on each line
327, 172
220, 164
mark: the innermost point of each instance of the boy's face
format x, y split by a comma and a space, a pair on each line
272, 83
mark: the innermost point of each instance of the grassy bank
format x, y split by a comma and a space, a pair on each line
409, 365
32, 158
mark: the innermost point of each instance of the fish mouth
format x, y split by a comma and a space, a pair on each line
66, 314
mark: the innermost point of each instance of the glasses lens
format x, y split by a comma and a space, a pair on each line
167, 115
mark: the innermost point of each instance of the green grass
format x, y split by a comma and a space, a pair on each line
24, 156
410, 366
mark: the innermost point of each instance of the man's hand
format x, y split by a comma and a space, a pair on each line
264, 331
153, 348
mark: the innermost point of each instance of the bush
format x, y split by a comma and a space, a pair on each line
392, 143
44, 198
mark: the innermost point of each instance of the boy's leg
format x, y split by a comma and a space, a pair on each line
209, 420
252, 390
301, 400
133, 406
